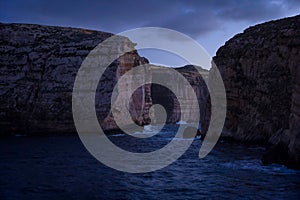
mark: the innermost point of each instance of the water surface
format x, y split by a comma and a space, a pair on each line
59, 167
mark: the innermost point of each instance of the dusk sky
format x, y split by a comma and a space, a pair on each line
211, 23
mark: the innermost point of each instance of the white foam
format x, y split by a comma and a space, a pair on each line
181, 122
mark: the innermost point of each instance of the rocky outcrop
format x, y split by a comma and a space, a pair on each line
162, 95
38, 65
261, 72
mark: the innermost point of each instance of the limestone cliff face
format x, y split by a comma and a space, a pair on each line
261, 72
162, 95
38, 65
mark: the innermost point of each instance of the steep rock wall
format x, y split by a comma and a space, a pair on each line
38, 65
165, 97
261, 72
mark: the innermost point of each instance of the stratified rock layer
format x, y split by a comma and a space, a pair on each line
261, 72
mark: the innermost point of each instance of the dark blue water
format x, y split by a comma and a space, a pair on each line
60, 168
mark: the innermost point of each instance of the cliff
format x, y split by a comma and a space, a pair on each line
261, 72
38, 65
162, 95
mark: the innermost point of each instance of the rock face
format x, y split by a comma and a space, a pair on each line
261, 72
38, 65
162, 95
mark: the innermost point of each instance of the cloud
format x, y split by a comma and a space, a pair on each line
194, 18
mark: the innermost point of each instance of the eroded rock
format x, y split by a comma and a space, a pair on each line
261, 72
38, 65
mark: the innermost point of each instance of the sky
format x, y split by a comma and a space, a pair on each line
210, 23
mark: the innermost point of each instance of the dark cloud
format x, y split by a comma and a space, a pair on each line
191, 17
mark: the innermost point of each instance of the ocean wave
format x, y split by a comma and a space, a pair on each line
256, 165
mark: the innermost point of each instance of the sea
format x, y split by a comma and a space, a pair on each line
59, 167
